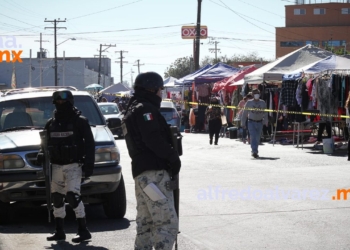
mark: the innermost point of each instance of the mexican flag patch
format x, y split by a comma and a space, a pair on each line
148, 117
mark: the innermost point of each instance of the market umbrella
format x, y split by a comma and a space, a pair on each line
94, 86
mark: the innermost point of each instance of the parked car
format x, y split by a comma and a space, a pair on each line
22, 179
170, 113
111, 110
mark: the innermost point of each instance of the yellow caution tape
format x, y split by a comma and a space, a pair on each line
264, 110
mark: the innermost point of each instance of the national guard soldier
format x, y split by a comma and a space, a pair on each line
71, 150
154, 162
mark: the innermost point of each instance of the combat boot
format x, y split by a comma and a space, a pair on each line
59, 234
83, 232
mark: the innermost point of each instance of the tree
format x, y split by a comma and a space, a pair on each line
250, 57
180, 68
184, 65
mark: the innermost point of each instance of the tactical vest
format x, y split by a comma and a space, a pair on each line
62, 144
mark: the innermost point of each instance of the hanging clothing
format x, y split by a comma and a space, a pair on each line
288, 93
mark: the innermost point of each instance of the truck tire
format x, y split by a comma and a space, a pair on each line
115, 202
5, 212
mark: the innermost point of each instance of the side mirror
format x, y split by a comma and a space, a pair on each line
178, 108
114, 123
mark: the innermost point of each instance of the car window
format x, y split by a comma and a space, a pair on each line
36, 111
109, 109
167, 113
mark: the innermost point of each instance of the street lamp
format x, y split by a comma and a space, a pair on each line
56, 56
67, 40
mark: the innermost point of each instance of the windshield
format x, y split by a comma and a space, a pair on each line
34, 112
109, 109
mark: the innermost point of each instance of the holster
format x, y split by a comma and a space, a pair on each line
176, 139
172, 184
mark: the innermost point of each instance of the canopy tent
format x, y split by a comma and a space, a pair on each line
94, 87
273, 72
333, 62
216, 73
115, 88
169, 82
227, 83
187, 80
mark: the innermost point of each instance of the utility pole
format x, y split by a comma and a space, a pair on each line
191, 64
132, 80
55, 27
138, 65
198, 34
30, 68
41, 56
99, 61
121, 64
215, 50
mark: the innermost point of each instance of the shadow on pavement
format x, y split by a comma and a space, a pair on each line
268, 158
29, 218
68, 245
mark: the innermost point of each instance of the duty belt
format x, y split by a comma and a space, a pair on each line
254, 120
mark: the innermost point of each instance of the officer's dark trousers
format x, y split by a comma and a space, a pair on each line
214, 129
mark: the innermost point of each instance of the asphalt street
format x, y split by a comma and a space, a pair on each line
229, 200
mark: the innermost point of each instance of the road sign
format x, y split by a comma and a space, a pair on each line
189, 32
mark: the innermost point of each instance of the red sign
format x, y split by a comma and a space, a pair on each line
189, 32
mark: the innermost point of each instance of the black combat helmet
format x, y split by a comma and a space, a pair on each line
63, 95
149, 80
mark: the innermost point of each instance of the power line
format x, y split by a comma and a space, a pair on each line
104, 10
107, 31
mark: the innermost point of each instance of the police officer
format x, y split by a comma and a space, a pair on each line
72, 152
154, 161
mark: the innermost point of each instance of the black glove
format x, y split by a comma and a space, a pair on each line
88, 171
39, 159
175, 167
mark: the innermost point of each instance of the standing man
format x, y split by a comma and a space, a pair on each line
71, 147
253, 111
154, 162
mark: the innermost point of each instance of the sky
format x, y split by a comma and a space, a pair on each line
146, 30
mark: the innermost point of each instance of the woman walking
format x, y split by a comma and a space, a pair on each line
213, 115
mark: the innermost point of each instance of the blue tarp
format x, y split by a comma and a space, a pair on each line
216, 73
187, 80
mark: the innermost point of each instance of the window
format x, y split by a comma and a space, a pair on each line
333, 43
345, 11
319, 11
292, 44
314, 43
299, 11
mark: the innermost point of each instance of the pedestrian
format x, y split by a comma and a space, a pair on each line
254, 112
241, 105
324, 123
213, 114
154, 162
72, 152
